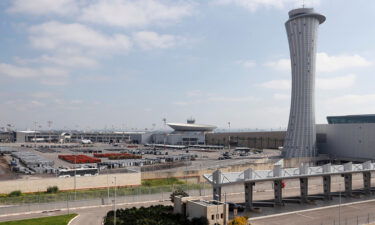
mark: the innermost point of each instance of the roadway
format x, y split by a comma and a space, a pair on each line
92, 211
350, 214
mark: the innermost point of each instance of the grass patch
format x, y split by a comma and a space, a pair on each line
52, 220
148, 187
161, 182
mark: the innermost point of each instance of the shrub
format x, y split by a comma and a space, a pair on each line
199, 221
53, 189
239, 220
153, 215
15, 193
178, 192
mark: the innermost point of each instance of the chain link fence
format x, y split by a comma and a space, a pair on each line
66, 200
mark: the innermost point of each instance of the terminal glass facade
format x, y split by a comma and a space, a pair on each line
351, 119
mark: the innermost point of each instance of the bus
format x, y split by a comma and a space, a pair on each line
78, 172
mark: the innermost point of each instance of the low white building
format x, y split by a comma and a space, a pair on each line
216, 212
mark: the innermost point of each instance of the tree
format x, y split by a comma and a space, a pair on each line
178, 192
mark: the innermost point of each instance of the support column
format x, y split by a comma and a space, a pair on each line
348, 184
327, 187
278, 192
216, 186
304, 188
367, 182
249, 195
217, 193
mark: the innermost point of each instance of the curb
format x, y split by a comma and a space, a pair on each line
73, 219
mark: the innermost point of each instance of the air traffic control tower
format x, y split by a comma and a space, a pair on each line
302, 31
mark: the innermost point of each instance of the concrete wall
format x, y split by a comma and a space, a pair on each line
271, 139
197, 175
347, 140
41, 184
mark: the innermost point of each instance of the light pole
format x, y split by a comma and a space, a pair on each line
114, 203
339, 202
35, 123
75, 174
108, 183
229, 135
49, 126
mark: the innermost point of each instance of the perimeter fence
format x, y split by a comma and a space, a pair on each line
97, 197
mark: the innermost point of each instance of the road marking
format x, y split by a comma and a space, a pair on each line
353, 207
77, 208
70, 222
309, 210
309, 217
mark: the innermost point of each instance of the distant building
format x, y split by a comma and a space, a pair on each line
76, 136
216, 212
7, 136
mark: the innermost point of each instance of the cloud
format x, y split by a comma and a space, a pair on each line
254, 5
44, 7
194, 93
28, 72
69, 60
231, 99
129, 13
281, 64
332, 83
247, 63
347, 104
63, 60
279, 96
277, 84
352, 99
42, 94
326, 63
150, 40
198, 97
335, 83
55, 35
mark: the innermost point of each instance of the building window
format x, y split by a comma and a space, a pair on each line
222, 216
212, 217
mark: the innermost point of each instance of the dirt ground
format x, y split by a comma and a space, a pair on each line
5, 173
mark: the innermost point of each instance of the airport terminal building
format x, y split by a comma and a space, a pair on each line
186, 134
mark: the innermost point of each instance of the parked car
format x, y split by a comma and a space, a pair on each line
233, 206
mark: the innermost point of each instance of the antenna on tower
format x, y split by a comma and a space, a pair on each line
303, 3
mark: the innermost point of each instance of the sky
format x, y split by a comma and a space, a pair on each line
127, 64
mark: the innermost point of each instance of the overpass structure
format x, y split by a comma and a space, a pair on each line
250, 177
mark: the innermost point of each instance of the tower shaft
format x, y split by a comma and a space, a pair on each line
302, 31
